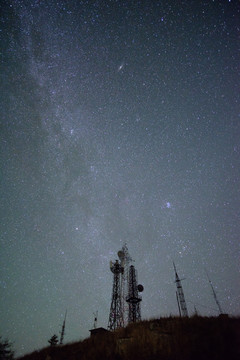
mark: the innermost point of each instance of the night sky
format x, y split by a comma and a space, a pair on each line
119, 123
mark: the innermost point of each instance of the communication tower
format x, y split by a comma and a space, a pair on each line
133, 297
63, 329
125, 260
95, 320
116, 315
215, 296
180, 295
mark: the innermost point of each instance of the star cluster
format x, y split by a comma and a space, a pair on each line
119, 123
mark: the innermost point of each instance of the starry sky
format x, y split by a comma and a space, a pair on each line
119, 123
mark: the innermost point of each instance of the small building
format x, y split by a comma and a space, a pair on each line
98, 331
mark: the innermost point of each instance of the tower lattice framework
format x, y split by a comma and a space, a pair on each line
180, 295
125, 260
116, 315
133, 298
215, 296
63, 329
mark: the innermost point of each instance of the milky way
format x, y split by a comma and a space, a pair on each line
119, 123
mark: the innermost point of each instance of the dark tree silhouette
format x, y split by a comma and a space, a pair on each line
54, 340
6, 353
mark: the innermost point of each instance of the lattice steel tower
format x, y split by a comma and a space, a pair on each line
133, 297
125, 260
63, 329
116, 315
180, 295
215, 296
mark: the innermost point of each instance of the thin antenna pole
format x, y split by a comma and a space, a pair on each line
195, 311
63, 329
215, 295
95, 319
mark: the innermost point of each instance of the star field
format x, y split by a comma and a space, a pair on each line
119, 123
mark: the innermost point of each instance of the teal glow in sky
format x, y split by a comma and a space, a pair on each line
119, 123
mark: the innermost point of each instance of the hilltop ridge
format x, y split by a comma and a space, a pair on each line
170, 338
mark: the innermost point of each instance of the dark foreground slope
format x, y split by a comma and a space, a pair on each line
216, 338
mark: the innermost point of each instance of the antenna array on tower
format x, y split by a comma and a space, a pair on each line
125, 304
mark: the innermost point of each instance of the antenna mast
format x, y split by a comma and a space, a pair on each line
215, 296
95, 319
125, 260
178, 304
63, 329
133, 298
116, 315
180, 295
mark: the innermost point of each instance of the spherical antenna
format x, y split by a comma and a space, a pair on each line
140, 288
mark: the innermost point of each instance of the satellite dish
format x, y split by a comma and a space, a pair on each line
140, 288
120, 254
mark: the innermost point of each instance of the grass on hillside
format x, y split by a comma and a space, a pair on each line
170, 338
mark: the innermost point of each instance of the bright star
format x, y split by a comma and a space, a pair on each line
120, 67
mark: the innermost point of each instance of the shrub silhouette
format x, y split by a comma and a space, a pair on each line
6, 351
54, 340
